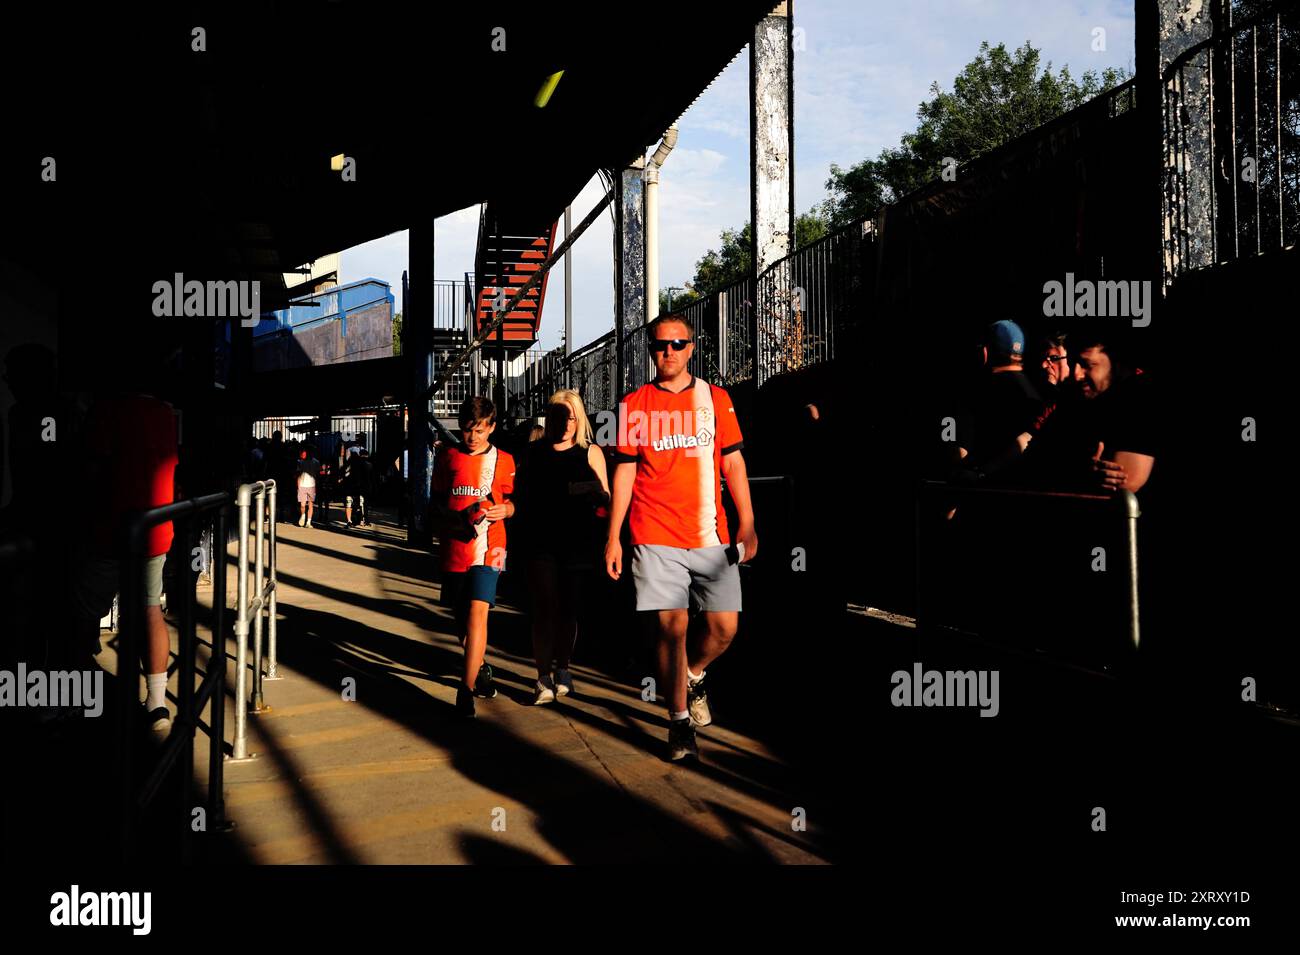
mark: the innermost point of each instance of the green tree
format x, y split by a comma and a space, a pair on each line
733, 260
681, 298
998, 96
397, 334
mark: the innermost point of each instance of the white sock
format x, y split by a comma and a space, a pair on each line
678, 716
692, 677
157, 696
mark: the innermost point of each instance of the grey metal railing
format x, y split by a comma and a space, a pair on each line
179, 746
250, 608
1116, 513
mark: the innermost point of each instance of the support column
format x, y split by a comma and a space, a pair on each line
771, 167
568, 299
630, 290
417, 349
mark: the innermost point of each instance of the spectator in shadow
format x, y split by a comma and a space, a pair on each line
563, 495
130, 451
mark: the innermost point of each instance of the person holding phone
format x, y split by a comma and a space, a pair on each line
678, 437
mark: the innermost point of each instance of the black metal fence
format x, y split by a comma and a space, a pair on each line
804, 298
1232, 139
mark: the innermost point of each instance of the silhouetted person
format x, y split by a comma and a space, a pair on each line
562, 484
1003, 414
131, 458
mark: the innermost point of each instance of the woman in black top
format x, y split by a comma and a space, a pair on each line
561, 496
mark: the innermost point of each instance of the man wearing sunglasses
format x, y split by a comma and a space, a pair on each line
678, 436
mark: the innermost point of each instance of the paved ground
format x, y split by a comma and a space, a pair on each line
395, 777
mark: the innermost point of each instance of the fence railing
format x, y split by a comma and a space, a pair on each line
179, 746
1232, 141
971, 575
803, 299
260, 498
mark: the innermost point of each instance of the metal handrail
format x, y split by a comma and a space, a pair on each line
179, 745
262, 600
1125, 503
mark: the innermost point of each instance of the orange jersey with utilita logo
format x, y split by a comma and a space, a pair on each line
677, 442
460, 479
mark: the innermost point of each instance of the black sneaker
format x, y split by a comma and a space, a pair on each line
697, 703
484, 687
464, 702
158, 722
681, 740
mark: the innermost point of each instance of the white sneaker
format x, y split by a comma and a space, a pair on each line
563, 683
302, 520
543, 693
697, 702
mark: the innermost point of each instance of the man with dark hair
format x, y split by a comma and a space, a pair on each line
678, 436
1107, 439
471, 488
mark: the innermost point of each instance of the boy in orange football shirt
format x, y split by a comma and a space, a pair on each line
471, 487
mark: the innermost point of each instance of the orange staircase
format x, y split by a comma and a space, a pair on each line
509, 254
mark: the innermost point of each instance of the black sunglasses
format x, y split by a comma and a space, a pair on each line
661, 344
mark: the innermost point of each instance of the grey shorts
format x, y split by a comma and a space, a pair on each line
358, 499
667, 577
306, 495
96, 584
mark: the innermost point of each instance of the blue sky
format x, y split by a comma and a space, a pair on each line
864, 69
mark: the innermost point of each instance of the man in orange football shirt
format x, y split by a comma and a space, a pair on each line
677, 437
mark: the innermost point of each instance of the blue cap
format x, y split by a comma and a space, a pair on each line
1006, 338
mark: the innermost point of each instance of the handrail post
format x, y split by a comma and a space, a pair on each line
272, 668
217, 665
1131, 514
130, 622
239, 748
918, 612
258, 591
188, 719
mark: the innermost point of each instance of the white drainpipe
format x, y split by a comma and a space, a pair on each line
652, 220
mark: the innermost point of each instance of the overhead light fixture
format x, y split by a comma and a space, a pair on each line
544, 94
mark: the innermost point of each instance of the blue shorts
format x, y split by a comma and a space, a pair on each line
477, 583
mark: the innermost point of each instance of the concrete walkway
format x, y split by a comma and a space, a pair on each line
395, 777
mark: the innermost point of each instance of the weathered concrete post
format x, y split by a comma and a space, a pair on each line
630, 290
1188, 133
417, 349
771, 168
